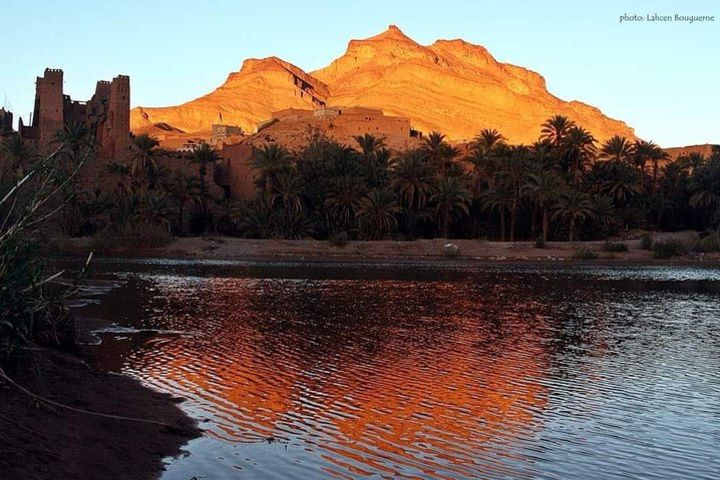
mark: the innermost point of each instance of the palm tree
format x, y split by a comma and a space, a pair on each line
293, 225
618, 149
412, 179
186, 193
259, 218
618, 180
694, 160
498, 198
369, 145
144, 164
344, 198
604, 211
452, 201
203, 156
484, 155
74, 137
656, 155
375, 158
555, 129
271, 160
438, 152
672, 190
287, 189
579, 150
17, 152
487, 140
155, 209
573, 206
545, 188
513, 176
378, 213
705, 188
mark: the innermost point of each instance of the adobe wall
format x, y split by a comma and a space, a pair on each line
235, 173
291, 114
676, 152
289, 127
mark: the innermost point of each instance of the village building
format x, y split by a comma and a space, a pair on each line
292, 127
221, 134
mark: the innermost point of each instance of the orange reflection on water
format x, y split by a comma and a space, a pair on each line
381, 377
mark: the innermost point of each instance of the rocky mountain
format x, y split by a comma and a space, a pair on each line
451, 86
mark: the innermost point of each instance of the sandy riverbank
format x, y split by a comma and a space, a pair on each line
468, 251
40, 441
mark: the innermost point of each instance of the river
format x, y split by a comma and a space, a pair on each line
300, 371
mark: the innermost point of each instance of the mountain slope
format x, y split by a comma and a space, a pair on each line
450, 86
247, 97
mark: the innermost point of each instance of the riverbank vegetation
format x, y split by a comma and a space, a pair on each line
54, 409
32, 306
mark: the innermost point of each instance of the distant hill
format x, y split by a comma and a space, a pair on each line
451, 86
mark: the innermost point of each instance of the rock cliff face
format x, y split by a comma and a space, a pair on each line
451, 86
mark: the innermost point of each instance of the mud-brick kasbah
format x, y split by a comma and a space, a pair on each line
108, 111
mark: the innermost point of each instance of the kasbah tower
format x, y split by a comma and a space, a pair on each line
108, 110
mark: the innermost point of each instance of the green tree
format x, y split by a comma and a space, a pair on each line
705, 191
438, 152
155, 209
17, 153
378, 213
203, 156
271, 160
555, 130
486, 151
513, 176
412, 180
573, 206
545, 188
452, 202
144, 164
343, 200
259, 220
287, 189
618, 149
580, 150
74, 138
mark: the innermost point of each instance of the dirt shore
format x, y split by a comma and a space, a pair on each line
41, 442
424, 251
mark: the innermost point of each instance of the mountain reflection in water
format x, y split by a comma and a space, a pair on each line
529, 374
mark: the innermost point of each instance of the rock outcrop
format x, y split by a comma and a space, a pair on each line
451, 86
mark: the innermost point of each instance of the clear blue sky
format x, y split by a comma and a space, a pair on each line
661, 78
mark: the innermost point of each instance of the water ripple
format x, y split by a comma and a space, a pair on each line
499, 373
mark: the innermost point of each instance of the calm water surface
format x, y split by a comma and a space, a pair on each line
318, 372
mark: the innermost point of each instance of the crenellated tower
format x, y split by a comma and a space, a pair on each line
48, 114
108, 111
118, 119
